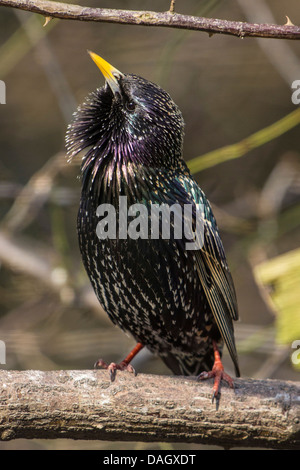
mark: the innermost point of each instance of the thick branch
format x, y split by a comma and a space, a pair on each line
150, 18
86, 405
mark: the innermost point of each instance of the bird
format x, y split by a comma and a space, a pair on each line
176, 300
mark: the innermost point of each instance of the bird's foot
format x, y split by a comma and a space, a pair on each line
113, 367
217, 373
123, 365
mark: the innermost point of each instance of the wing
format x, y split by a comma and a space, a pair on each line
210, 260
213, 270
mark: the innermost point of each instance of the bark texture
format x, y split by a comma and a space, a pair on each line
86, 405
169, 19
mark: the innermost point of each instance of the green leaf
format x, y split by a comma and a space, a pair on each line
280, 280
239, 149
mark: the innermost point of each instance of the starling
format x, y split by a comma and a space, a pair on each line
179, 303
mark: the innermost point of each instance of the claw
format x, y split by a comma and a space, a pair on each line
218, 374
124, 365
112, 371
217, 398
113, 367
100, 364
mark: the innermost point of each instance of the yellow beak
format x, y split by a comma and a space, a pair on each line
110, 73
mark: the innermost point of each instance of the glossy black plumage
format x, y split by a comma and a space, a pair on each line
172, 300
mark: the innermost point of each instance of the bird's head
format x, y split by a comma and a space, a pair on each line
128, 120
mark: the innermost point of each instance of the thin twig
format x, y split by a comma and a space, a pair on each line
172, 6
33, 196
50, 64
237, 150
19, 256
150, 18
281, 55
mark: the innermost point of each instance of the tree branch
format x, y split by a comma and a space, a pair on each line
86, 405
168, 19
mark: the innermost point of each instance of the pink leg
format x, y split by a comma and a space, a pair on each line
124, 365
218, 374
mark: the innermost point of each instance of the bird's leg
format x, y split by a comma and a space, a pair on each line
123, 365
218, 374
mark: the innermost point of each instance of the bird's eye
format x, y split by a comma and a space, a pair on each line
130, 106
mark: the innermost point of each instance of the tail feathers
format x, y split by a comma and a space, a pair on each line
188, 364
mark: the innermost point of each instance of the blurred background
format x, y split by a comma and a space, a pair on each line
228, 90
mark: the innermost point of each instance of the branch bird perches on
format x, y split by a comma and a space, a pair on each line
85, 404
